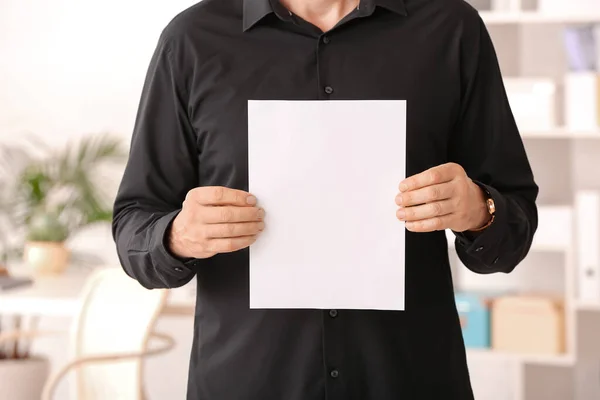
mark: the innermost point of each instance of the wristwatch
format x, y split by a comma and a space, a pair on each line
491, 208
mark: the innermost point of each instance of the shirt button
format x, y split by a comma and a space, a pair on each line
328, 89
333, 313
496, 260
178, 269
326, 39
334, 373
479, 249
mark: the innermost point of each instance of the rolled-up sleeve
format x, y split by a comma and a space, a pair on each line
162, 168
487, 143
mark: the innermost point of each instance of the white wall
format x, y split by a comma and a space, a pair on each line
69, 67
74, 67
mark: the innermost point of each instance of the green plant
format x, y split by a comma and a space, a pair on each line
55, 193
12, 160
47, 227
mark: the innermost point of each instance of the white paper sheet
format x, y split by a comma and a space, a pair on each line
327, 174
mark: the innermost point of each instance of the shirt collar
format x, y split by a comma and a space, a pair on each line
255, 10
397, 6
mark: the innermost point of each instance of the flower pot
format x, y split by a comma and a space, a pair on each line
46, 258
23, 379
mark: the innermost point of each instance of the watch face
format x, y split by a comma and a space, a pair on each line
491, 206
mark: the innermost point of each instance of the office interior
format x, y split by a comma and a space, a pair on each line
71, 73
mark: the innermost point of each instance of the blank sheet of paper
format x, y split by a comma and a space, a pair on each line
327, 174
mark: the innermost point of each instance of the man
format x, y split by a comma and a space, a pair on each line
183, 210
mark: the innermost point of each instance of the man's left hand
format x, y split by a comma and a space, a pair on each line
443, 197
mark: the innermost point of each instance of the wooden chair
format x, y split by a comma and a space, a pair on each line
110, 338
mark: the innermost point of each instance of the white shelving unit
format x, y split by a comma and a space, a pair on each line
555, 235
500, 375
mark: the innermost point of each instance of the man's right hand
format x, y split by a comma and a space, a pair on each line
215, 220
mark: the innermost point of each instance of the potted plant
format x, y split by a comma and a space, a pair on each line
57, 193
45, 250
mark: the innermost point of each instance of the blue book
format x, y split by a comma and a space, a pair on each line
474, 310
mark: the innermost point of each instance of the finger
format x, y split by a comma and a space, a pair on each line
425, 211
228, 245
229, 214
431, 224
234, 230
221, 196
440, 174
424, 195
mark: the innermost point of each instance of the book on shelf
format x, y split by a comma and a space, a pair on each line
474, 310
597, 45
580, 46
582, 82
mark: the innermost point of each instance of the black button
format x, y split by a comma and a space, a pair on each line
328, 89
334, 373
326, 39
333, 313
178, 269
479, 249
496, 260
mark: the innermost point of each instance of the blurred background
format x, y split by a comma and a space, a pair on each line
71, 73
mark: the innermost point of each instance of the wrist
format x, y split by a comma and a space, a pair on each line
483, 215
174, 243
483, 221
178, 244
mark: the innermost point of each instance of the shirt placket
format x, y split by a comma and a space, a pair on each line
333, 353
326, 89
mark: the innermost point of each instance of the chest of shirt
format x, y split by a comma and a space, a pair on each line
362, 61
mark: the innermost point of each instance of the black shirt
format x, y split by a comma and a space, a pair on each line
191, 131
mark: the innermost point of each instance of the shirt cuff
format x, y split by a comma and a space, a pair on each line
485, 245
162, 257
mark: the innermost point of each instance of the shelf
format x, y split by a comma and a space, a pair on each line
553, 233
587, 306
560, 133
538, 359
534, 17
